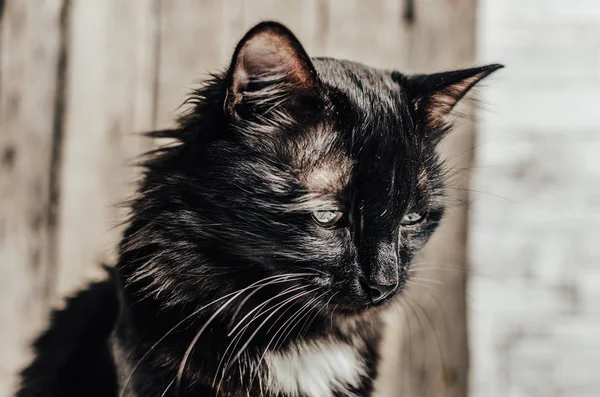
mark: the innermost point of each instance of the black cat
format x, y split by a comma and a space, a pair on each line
261, 244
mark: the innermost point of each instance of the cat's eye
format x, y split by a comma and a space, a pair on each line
327, 218
412, 219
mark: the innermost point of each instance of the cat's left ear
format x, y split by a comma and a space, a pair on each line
268, 65
437, 94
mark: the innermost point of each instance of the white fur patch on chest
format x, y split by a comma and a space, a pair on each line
315, 369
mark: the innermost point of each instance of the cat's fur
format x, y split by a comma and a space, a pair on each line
225, 285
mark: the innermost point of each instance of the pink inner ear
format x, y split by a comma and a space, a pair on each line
270, 53
264, 53
444, 100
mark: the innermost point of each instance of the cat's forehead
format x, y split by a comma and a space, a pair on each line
342, 73
381, 178
332, 159
360, 83
369, 104
322, 159
366, 137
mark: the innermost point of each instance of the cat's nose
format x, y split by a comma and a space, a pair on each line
380, 291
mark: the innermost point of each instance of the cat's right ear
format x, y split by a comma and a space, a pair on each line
269, 66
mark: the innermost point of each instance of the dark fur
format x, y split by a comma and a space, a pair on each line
74, 354
229, 204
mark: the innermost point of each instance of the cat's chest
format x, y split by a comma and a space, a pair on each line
318, 368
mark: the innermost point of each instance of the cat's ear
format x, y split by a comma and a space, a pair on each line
437, 94
268, 64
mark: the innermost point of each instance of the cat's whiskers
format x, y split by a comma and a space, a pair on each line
292, 322
312, 269
308, 323
428, 280
332, 313
459, 189
278, 278
433, 328
408, 333
164, 393
296, 316
256, 315
243, 302
281, 329
418, 265
195, 339
436, 300
197, 336
259, 307
271, 279
412, 310
273, 310
224, 372
449, 266
416, 284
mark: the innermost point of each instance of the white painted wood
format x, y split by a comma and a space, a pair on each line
535, 322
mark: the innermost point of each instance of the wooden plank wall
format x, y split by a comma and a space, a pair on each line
78, 78
31, 88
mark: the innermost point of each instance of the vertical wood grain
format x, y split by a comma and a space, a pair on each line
301, 17
94, 73
31, 37
191, 46
110, 98
370, 32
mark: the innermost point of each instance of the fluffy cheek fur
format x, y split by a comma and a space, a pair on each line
283, 239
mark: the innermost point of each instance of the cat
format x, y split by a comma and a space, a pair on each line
263, 244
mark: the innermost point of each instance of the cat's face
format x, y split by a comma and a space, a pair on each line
344, 186
321, 168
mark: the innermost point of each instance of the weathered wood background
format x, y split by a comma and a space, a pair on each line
78, 78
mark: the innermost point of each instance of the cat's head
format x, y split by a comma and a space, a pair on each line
288, 165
